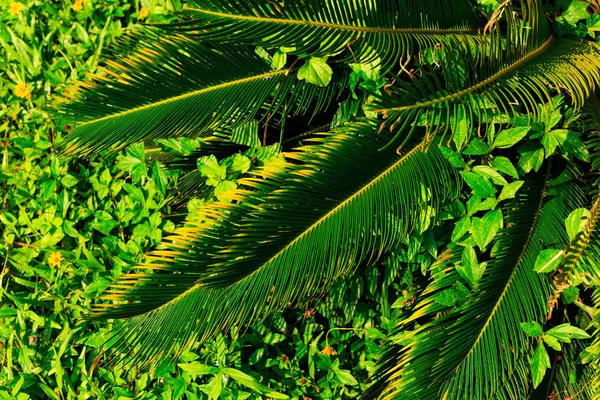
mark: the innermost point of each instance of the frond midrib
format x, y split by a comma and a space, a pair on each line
186, 95
336, 209
366, 29
491, 79
513, 273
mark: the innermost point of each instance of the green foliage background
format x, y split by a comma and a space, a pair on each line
103, 214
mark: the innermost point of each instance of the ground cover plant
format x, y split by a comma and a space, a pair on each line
310, 199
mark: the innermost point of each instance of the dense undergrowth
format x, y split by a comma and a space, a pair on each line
69, 226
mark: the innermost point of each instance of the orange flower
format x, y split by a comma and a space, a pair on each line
22, 91
15, 8
328, 351
55, 259
77, 6
143, 13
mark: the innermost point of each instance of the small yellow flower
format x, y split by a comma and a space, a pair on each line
15, 8
143, 13
55, 259
328, 351
22, 91
77, 6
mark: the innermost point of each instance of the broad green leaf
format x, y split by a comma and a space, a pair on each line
510, 137
460, 133
509, 191
470, 269
240, 163
316, 71
345, 377
209, 167
477, 147
490, 173
198, 369
224, 187
576, 222
480, 185
532, 157
532, 328
253, 383
8, 312
216, 387
548, 260
552, 342
539, 364
566, 332
69, 181
279, 59
453, 158
576, 11
460, 228
273, 338
484, 229
570, 295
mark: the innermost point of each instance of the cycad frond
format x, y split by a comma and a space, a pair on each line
290, 232
508, 80
372, 31
174, 87
478, 351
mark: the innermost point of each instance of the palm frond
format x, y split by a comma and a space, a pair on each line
293, 229
509, 74
478, 350
372, 31
174, 87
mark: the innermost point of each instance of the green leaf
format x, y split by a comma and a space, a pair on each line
510, 137
552, 342
316, 71
490, 173
570, 295
548, 260
198, 369
566, 332
8, 312
253, 383
509, 191
345, 377
273, 338
576, 11
484, 229
470, 269
532, 157
539, 364
279, 59
532, 328
453, 158
477, 147
240, 163
216, 387
480, 185
504, 165
69, 181
209, 167
224, 187
460, 133
576, 222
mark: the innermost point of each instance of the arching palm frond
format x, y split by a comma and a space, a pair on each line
478, 350
175, 87
521, 69
372, 31
293, 229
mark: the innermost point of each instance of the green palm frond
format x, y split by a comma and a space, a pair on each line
174, 87
478, 351
293, 229
371, 31
510, 79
